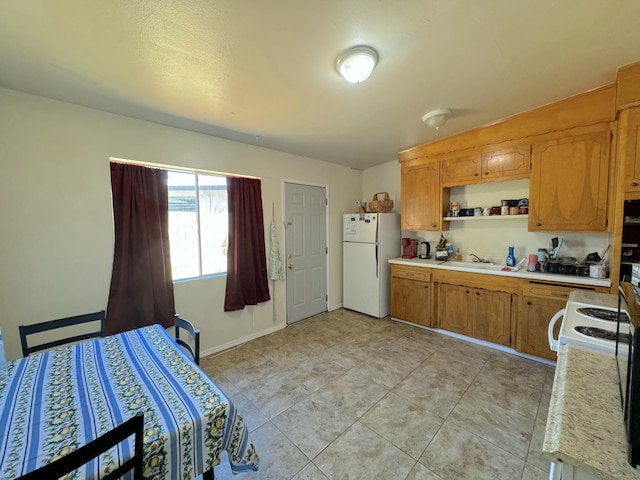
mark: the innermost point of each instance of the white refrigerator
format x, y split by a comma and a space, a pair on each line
370, 240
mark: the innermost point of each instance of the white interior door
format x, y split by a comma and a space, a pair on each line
305, 250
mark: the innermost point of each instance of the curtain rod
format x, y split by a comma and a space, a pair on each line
183, 169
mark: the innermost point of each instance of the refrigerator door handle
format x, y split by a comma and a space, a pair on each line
377, 261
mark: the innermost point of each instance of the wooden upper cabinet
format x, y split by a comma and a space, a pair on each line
507, 163
569, 182
489, 164
461, 169
629, 145
423, 199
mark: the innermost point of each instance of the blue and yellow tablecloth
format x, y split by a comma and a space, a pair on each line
56, 401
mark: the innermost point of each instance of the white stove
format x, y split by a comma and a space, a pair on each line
590, 326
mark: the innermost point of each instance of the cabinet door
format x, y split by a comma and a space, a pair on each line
507, 164
422, 197
533, 322
569, 183
461, 169
410, 301
630, 146
492, 316
454, 313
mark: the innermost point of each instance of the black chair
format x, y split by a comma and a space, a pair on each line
26, 330
194, 349
86, 453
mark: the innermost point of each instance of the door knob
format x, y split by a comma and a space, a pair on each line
290, 266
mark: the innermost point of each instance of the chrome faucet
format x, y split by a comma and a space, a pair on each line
477, 259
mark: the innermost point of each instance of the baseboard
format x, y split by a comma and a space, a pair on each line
240, 341
484, 343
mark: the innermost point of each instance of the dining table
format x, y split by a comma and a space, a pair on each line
53, 402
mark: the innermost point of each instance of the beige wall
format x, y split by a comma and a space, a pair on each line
55, 212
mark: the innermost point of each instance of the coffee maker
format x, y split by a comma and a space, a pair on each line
408, 248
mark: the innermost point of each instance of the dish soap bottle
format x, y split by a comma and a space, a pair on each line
511, 259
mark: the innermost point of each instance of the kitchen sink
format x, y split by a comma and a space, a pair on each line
479, 266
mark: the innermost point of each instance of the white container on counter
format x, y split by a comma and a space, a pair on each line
597, 271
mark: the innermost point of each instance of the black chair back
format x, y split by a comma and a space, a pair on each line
86, 453
194, 350
26, 330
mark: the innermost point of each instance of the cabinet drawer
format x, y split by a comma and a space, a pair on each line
560, 292
412, 273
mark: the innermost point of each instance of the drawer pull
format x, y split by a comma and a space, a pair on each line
634, 184
529, 303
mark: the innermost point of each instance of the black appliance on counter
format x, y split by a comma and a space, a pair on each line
629, 369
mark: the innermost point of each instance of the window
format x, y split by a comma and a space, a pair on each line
198, 224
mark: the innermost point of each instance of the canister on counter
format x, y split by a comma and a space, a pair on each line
542, 254
504, 210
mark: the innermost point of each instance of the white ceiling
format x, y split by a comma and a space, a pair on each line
263, 72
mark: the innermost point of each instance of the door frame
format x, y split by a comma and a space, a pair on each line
326, 229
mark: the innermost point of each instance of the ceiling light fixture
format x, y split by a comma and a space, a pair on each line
436, 118
357, 63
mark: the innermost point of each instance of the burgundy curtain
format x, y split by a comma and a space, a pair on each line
247, 282
141, 285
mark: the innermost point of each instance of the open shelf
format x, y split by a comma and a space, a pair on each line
488, 217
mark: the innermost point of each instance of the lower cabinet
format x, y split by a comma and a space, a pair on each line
411, 295
533, 323
514, 314
454, 310
475, 312
493, 316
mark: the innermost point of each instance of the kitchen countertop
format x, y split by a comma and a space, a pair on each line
585, 426
482, 268
594, 298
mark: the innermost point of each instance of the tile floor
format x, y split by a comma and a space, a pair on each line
346, 396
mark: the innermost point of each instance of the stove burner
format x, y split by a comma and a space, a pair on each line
602, 314
596, 332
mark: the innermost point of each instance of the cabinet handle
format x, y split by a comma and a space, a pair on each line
538, 224
466, 291
426, 286
486, 173
475, 174
434, 225
634, 184
529, 303
477, 293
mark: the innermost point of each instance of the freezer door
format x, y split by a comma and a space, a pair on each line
361, 279
362, 228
